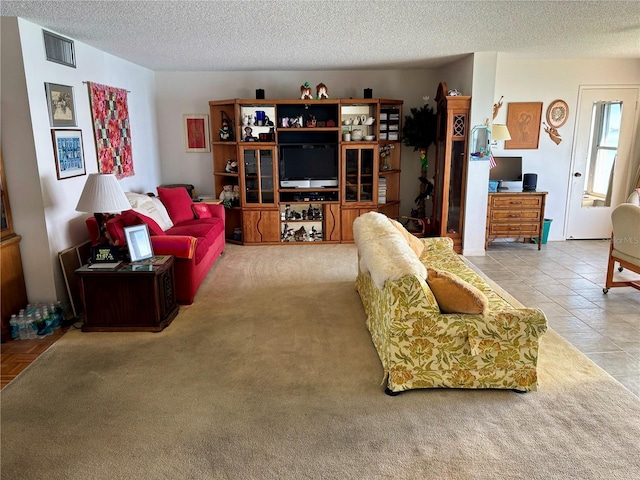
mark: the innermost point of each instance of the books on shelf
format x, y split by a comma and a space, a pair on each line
382, 190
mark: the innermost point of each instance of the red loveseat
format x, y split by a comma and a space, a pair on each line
196, 239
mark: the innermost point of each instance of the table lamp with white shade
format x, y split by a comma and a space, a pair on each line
102, 195
499, 132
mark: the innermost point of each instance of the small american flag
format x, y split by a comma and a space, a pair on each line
492, 161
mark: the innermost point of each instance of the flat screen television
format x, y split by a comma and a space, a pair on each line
507, 169
308, 165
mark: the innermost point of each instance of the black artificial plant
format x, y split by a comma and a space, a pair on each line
419, 132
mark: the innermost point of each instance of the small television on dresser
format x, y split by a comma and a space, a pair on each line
308, 165
507, 169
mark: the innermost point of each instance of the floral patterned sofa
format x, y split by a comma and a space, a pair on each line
418, 345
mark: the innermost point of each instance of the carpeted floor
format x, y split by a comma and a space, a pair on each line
271, 374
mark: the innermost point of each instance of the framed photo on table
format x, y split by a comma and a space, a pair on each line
196, 133
62, 107
68, 152
138, 242
523, 122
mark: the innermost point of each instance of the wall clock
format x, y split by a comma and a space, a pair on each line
557, 113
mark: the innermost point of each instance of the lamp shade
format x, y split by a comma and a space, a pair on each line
102, 194
500, 132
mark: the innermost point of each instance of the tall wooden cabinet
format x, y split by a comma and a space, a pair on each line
450, 176
12, 287
254, 135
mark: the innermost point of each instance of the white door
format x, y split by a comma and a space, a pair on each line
596, 189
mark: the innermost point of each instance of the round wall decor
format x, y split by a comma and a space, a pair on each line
557, 113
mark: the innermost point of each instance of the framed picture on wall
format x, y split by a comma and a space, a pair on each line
523, 122
68, 152
62, 107
196, 133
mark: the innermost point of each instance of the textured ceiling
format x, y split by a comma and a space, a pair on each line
328, 35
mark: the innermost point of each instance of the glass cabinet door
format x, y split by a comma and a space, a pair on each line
360, 174
451, 165
456, 187
259, 175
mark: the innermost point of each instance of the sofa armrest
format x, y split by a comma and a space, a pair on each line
180, 246
512, 327
216, 209
437, 243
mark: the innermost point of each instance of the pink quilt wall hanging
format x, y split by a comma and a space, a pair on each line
110, 114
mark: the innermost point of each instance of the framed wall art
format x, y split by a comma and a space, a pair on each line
557, 113
111, 129
523, 122
196, 133
68, 152
62, 107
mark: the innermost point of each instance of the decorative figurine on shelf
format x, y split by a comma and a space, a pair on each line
248, 135
385, 152
312, 121
322, 91
305, 91
300, 234
225, 133
226, 195
231, 166
235, 201
287, 233
294, 122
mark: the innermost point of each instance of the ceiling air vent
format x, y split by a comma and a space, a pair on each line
59, 49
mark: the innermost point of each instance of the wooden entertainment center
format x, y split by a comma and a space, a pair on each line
257, 146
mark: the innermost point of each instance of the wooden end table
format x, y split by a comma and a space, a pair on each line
130, 298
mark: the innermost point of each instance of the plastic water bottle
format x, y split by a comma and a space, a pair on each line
56, 313
48, 320
32, 330
39, 322
22, 329
15, 327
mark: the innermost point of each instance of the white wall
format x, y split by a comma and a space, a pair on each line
43, 207
475, 214
529, 80
190, 92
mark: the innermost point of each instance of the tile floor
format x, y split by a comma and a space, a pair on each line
565, 280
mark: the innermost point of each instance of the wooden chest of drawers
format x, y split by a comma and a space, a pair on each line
515, 215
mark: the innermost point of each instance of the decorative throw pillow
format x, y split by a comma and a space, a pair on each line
414, 242
454, 295
201, 210
151, 207
178, 203
137, 199
131, 217
160, 214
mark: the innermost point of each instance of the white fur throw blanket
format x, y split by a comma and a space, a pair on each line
384, 252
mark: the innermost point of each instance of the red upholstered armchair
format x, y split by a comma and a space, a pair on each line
196, 240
